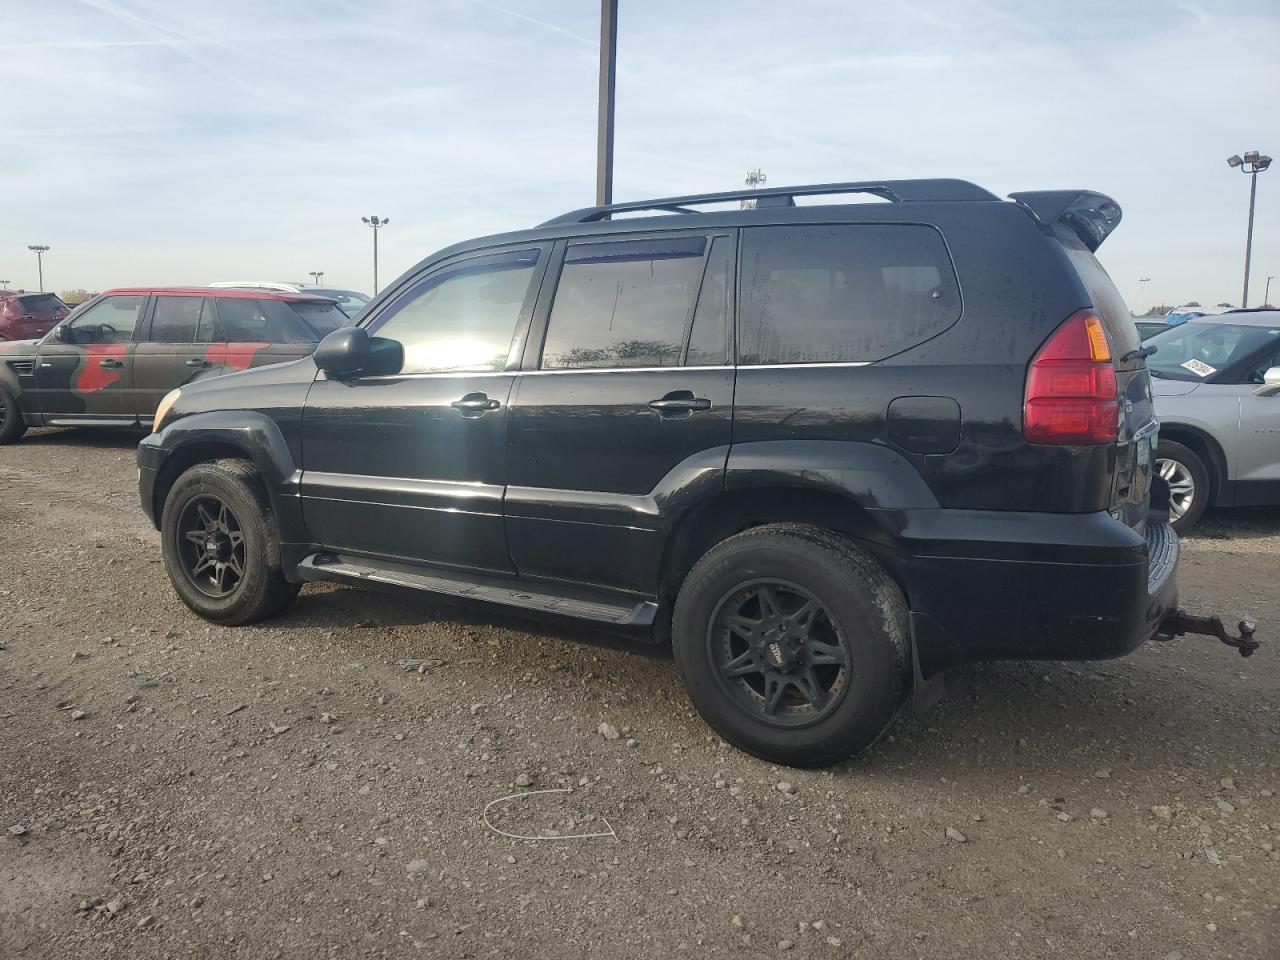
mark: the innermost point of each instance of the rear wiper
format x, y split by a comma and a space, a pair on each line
1139, 354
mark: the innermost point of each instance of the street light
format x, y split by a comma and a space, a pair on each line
1266, 296
376, 223
1253, 164
4, 284
40, 250
316, 274
1142, 301
605, 102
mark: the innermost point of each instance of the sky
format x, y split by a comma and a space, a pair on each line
175, 141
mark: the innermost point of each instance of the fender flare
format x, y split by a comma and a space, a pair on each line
255, 435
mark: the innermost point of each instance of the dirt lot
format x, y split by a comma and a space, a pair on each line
173, 789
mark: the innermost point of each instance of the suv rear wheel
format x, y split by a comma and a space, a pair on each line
221, 546
792, 643
1188, 480
12, 425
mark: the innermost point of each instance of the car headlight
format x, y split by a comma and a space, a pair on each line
166, 405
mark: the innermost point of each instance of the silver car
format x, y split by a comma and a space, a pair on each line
1216, 382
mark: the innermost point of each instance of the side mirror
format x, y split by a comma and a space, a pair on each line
61, 333
350, 352
1270, 384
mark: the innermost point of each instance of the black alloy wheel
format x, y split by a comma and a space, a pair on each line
211, 546
778, 653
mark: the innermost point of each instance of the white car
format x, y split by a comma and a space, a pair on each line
1216, 385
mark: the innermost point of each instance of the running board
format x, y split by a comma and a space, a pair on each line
599, 607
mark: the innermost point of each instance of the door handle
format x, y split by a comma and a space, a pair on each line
475, 404
198, 363
679, 403
109, 364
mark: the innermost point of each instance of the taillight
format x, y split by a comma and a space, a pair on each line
1071, 395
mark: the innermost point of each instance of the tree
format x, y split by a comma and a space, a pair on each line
76, 297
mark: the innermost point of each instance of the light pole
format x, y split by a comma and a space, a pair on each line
1266, 296
1142, 302
604, 120
40, 250
5, 284
316, 275
1252, 164
377, 223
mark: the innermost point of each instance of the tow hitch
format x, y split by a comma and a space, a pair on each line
1180, 622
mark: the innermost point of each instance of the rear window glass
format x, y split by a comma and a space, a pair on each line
262, 321
843, 292
624, 304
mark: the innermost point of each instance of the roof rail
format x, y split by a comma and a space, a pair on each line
899, 191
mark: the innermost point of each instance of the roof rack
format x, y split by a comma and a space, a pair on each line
898, 191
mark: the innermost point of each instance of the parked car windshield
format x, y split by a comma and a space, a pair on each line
41, 305
1197, 350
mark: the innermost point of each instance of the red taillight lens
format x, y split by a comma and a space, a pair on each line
1072, 395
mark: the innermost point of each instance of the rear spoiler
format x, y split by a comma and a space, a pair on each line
1090, 216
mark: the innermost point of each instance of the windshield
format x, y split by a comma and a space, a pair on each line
321, 316
41, 305
349, 301
1197, 350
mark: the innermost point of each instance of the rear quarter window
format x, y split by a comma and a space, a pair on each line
843, 292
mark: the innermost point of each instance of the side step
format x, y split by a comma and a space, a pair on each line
597, 606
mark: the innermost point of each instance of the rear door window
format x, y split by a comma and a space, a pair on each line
624, 303
843, 292
176, 319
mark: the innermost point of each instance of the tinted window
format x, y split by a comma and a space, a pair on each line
824, 294
176, 319
463, 317
111, 320
709, 340
623, 304
261, 321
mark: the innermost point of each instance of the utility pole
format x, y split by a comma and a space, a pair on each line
316, 275
754, 178
377, 223
1142, 300
1253, 164
40, 250
608, 83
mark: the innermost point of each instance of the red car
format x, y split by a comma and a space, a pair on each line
110, 362
24, 315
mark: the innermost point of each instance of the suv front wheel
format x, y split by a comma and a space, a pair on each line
792, 643
220, 543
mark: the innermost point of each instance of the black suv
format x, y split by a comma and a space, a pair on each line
824, 451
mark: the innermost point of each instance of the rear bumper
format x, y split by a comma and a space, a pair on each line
993, 585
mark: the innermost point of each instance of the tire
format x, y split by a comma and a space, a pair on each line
863, 616
230, 494
12, 425
1182, 465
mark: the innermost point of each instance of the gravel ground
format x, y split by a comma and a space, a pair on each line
174, 789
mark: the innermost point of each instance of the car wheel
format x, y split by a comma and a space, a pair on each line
792, 643
12, 425
220, 544
1188, 480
